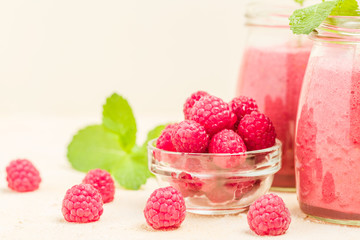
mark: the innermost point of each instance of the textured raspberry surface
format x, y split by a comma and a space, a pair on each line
257, 131
190, 101
103, 182
22, 176
243, 105
165, 208
82, 204
226, 141
268, 215
213, 113
189, 136
164, 142
233, 121
187, 184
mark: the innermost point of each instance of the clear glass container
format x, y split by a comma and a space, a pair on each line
209, 187
272, 72
327, 149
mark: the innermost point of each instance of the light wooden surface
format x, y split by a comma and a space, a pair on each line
37, 215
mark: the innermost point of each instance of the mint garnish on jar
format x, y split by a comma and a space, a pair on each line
305, 20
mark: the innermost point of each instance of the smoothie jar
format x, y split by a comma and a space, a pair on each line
327, 152
272, 71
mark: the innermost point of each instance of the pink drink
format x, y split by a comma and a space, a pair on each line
328, 134
273, 77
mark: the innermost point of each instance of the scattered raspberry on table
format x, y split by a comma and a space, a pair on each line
165, 209
82, 204
103, 182
22, 176
268, 215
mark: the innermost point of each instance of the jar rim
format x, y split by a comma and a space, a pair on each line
339, 30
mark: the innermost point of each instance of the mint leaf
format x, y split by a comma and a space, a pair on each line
119, 118
94, 147
131, 174
301, 2
346, 8
111, 146
305, 20
139, 154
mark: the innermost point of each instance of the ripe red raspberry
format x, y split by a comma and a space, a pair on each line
257, 131
22, 176
187, 184
164, 141
82, 204
243, 105
103, 182
213, 113
165, 208
190, 101
189, 136
240, 185
234, 122
216, 192
226, 141
268, 215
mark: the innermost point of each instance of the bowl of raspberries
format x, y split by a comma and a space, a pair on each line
221, 157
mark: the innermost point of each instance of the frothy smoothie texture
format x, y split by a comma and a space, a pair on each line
328, 135
273, 76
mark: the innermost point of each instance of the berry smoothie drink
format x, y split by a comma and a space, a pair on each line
328, 134
273, 76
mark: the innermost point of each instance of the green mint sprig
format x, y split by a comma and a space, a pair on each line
301, 2
111, 145
305, 20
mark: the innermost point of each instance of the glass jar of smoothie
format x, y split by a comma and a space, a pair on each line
273, 67
327, 151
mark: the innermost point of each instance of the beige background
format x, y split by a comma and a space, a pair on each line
64, 57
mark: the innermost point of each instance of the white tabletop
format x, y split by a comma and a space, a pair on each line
37, 215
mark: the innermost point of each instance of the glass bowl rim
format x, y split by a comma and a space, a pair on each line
276, 146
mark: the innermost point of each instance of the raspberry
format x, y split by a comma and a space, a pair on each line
103, 182
82, 204
213, 113
268, 215
240, 185
165, 208
22, 176
243, 105
189, 136
226, 141
164, 141
234, 121
187, 184
216, 192
190, 101
257, 131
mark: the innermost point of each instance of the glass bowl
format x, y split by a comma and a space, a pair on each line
216, 184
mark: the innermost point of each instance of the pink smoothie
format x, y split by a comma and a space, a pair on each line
273, 77
328, 136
